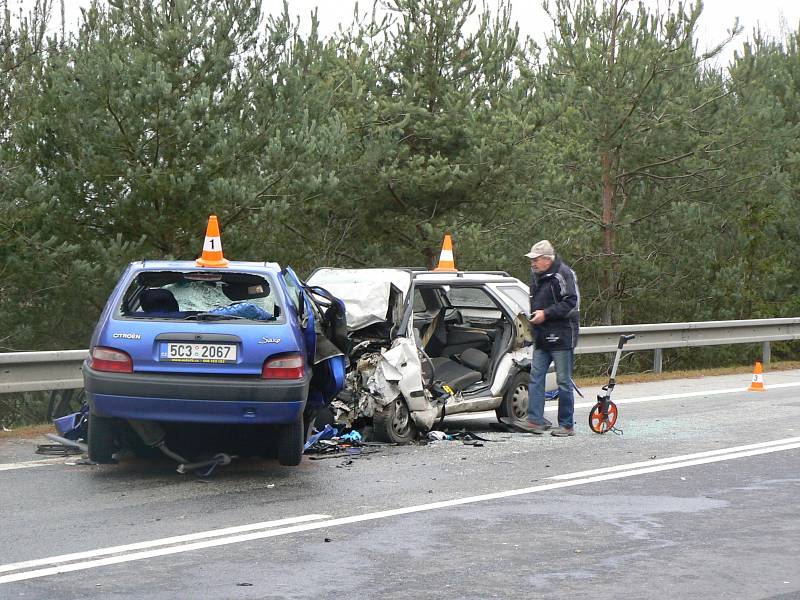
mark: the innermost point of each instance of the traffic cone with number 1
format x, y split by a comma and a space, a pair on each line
212, 247
758, 380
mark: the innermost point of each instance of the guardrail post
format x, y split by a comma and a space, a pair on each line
765, 350
657, 360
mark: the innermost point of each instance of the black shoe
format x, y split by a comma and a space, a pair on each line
563, 432
534, 428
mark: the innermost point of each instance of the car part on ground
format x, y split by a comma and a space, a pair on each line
65, 402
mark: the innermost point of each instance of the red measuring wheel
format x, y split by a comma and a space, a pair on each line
601, 420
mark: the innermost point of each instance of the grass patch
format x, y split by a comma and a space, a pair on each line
28, 431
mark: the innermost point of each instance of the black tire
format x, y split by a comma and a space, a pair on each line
515, 403
101, 439
393, 424
290, 443
65, 402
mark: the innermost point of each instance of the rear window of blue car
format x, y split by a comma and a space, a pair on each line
202, 296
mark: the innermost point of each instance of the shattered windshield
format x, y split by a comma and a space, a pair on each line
201, 296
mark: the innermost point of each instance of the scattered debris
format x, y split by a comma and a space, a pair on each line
468, 438
57, 450
330, 443
81, 461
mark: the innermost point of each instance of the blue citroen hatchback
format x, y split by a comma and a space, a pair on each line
238, 344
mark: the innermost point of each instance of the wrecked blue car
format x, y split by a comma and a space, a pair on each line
193, 349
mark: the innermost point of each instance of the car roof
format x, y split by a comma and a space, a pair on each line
190, 265
456, 277
421, 274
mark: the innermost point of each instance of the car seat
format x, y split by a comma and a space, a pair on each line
459, 376
438, 341
158, 300
476, 360
453, 374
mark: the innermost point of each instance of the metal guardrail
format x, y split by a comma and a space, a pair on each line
654, 336
61, 369
41, 371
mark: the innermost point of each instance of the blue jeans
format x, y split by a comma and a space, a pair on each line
563, 360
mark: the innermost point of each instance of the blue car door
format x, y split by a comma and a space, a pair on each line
306, 315
329, 367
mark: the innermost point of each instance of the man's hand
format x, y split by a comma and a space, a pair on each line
538, 317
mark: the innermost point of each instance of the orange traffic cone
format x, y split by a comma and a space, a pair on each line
446, 260
212, 247
758, 380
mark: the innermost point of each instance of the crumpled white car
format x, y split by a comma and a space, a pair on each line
424, 344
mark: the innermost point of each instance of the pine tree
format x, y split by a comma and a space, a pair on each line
634, 140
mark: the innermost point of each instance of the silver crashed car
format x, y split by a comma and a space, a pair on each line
425, 344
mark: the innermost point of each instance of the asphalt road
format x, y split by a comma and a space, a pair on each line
698, 497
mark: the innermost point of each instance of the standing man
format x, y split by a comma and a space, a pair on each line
555, 316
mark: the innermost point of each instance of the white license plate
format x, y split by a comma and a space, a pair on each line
194, 352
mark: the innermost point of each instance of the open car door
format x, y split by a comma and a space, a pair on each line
324, 330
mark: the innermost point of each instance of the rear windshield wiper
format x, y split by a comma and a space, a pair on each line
207, 316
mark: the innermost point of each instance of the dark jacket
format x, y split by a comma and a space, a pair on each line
556, 292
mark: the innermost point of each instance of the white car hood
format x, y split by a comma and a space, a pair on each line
365, 292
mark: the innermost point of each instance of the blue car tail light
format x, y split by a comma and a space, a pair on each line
110, 359
285, 366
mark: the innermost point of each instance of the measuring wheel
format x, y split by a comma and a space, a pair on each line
601, 420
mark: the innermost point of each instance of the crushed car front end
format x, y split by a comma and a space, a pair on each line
427, 344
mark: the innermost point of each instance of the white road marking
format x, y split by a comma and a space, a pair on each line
664, 461
687, 395
552, 407
31, 463
160, 542
395, 512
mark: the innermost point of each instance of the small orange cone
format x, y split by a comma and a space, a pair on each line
212, 247
446, 260
758, 380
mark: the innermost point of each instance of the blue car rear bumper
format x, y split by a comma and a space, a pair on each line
192, 399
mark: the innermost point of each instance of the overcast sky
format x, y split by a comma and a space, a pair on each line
772, 16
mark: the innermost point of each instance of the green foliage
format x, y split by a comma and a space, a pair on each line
671, 187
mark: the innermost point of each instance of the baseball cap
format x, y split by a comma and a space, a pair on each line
542, 248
